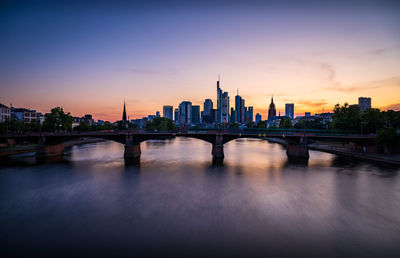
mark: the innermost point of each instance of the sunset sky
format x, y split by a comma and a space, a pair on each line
87, 57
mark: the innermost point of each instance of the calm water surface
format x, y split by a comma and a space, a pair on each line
178, 203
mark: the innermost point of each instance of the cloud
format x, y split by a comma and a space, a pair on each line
143, 71
329, 70
309, 103
395, 107
385, 83
378, 51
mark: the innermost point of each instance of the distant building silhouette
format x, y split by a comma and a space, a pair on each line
208, 115
258, 117
289, 110
222, 105
271, 110
168, 112
195, 114
185, 113
364, 103
249, 114
176, 116
124, 113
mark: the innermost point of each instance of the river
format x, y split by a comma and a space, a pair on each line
177, 202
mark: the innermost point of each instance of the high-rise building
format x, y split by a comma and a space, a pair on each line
219, 103
222, 105
176, 116
195, 114
364, 103
242, 112
157, 113
249, 114
208, 112
168, 112
214, 115
225, 108
124, 113
258, 117
307, 114
289, 110
238, 109
185, 113
233, 118
271, 110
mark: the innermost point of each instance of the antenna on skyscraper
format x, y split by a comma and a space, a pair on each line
237, 92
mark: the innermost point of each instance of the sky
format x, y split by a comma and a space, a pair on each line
88, 56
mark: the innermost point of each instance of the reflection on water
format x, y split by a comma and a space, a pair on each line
178, 202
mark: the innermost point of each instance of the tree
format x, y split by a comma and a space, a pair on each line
347, 117
387, 136
285, 123
160, 124
262, 124
57, 121
372, 120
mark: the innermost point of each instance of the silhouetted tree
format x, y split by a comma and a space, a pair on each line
347, 117
57, 120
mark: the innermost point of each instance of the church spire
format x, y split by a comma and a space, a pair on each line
124, 113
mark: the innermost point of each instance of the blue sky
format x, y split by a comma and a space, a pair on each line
88, 56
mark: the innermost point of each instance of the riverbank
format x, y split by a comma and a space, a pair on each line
342, 150
18, 149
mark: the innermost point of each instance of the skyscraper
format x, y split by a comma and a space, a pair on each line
225, 108
238, 109
168, 112
208, 111
289, 110
124, 114
222, 105
242, 111
219, 103
185, 113
258, 117
233, 116
364, 103
195, 114
176, 116
271, 110
249, 114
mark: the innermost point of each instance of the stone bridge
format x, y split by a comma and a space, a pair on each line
51, 144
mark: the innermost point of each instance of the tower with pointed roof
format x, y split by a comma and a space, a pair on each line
271, 110
124, 113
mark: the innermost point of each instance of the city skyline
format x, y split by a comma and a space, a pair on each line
153, 55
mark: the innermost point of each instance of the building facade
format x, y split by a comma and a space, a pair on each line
5, 113
364, 103
185, 113
289, 110
249, 114
23, 114
168, 112
271, 110
258, 117
176, 116
208, 112
195, 114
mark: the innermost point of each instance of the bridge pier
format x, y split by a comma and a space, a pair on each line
218, 148
132, 150
44, 150
297, 151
